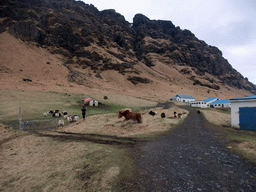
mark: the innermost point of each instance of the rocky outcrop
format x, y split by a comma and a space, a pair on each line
135, 80
69, 27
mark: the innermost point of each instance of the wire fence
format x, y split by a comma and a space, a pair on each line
33, 125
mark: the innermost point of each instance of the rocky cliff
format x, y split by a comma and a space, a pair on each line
71, 27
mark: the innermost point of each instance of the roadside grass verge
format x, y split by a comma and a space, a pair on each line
43, 163
217, 117
157, 133
240, 141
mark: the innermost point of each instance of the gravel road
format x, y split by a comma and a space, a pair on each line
190, 159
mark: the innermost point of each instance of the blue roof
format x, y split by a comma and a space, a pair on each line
211, 98
221, 101
185, 96
243, 98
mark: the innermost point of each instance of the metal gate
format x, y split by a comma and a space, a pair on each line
247, 118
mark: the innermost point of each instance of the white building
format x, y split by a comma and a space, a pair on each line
240, 105
222, 103
92, 102
197, 103
183, 98
204, 103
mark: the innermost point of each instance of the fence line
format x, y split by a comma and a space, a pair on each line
36, 124
33, 125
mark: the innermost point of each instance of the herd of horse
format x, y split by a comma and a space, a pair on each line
129, 115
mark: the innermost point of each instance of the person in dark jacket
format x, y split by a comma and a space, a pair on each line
83, 112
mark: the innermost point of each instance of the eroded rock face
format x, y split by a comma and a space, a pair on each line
25, 30
135, 80
70, 26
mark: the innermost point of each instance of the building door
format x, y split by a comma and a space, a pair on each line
247, 118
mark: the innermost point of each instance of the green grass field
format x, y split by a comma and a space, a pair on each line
34, 104
69, 164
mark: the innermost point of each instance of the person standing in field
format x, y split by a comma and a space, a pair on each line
83, 112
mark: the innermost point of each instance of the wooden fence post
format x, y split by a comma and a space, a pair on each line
20, 118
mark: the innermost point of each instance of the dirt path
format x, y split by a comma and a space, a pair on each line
190, 159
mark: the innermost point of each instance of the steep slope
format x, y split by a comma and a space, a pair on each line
24, 64
27, 67
101, 46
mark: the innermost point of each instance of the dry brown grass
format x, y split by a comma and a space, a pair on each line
241, 141
249, 148
216, 117
110, 124
71, 158
47, 163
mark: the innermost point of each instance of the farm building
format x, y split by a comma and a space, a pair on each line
243, 112
204, 103
183, 98
90, 101
225, 103
197, 103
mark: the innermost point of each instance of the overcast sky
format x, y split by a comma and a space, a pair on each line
229, 25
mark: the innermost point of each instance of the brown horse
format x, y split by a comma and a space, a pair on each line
130, 115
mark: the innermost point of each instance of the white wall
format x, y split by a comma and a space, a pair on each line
228, 105
235, 105
186, 100
201, 104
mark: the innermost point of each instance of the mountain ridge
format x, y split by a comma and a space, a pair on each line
98, 41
